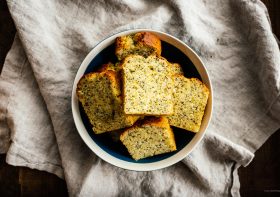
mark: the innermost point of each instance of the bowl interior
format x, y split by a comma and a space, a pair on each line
116, 149
115, 153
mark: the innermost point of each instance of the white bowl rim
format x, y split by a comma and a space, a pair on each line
126, 164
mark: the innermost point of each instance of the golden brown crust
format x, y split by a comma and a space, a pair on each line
141, 43
158, 121
105, 67
149, 39
149, 137
112, 75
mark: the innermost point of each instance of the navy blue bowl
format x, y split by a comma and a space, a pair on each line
116, 149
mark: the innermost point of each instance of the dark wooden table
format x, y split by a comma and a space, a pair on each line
260, 178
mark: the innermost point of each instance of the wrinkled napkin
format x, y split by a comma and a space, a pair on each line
233, 38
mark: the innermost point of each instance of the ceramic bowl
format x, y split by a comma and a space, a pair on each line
115, 153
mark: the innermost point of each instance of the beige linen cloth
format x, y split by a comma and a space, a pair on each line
234, 39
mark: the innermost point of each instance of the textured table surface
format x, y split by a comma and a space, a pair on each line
260, 178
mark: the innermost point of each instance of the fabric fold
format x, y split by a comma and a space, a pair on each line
33, 143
